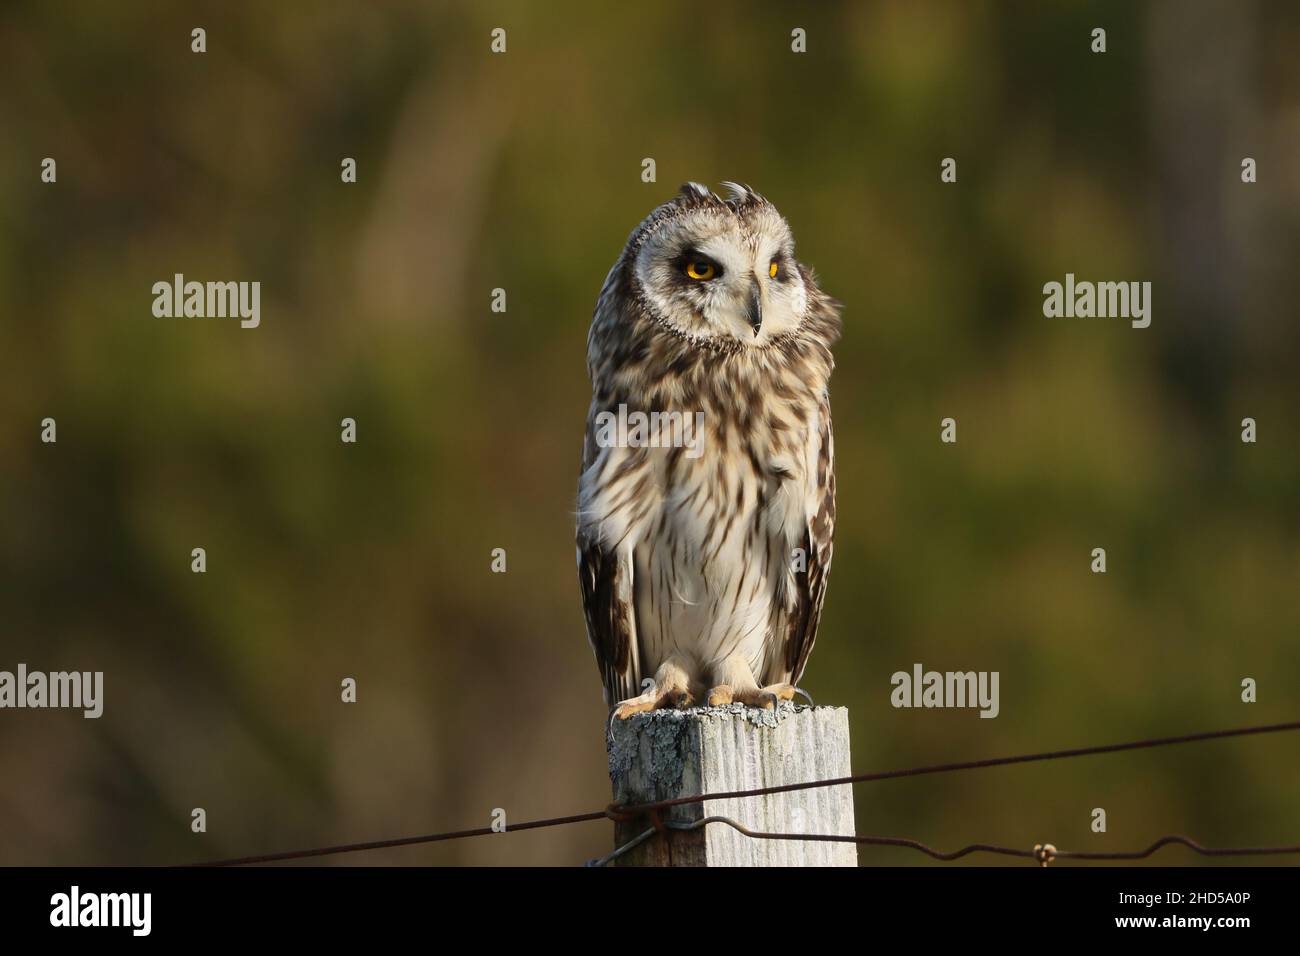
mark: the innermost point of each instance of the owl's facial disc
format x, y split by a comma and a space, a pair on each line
714, 274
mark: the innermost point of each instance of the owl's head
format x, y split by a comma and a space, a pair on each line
719, 271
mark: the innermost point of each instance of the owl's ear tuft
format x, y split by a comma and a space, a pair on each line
739, 191
697, 191
743, 195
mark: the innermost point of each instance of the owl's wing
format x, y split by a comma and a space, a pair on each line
611, 619
819, 532
605, 575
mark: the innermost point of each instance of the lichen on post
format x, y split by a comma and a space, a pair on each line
667, 754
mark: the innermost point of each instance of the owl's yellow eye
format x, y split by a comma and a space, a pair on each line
700, 270
773, 269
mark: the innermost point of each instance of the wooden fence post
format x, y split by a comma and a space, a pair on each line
670, 753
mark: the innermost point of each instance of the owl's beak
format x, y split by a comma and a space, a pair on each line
754, 312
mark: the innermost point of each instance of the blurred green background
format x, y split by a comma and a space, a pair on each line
522, 171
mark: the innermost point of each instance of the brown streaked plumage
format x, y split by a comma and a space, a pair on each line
703, 554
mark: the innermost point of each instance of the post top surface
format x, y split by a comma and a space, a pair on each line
753, 715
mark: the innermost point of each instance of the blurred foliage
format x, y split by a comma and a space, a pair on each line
477, 690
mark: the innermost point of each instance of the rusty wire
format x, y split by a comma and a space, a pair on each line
624, 813
1043, 853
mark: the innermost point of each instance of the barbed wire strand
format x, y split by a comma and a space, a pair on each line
632, 811
406, 841
1043, 852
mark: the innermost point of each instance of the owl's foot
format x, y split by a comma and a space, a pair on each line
765, 697
759, 697
653, 700
734, 681
672, 694
780, 691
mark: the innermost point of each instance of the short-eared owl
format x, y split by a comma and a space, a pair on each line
706, 504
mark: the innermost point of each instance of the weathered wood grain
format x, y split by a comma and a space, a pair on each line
669, 753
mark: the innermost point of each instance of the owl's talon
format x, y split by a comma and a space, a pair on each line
780, 691
634, 706
721, 695
762, 699
673, 695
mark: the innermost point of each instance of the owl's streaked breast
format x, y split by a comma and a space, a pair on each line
710, 536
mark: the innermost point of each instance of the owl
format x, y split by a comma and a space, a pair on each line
706, 503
